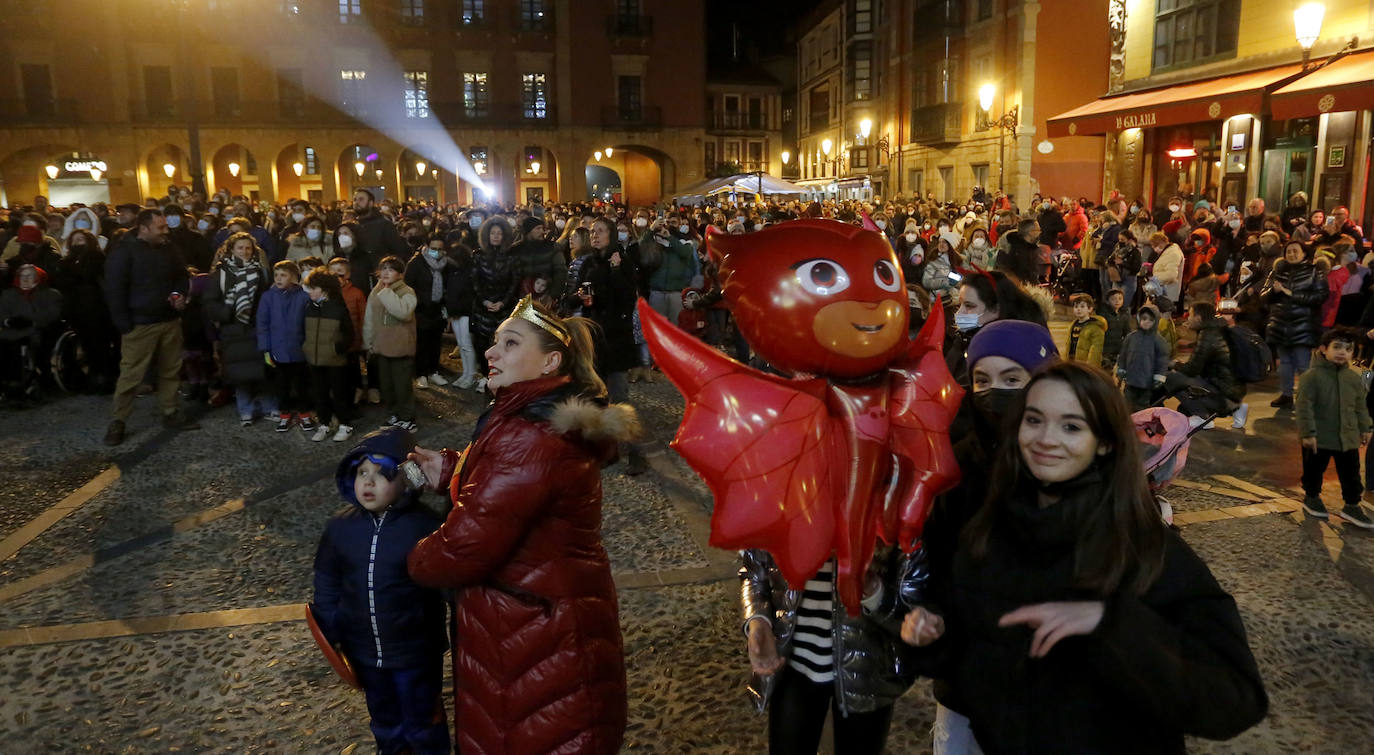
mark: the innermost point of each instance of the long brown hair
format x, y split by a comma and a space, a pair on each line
1120, 543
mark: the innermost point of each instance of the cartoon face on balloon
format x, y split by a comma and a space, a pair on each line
815, 296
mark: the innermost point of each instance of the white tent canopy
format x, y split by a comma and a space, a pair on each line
748, 183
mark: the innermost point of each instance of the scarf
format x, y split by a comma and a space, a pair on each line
242, 287
436, 277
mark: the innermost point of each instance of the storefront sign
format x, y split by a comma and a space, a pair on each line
84, 166
1136, 120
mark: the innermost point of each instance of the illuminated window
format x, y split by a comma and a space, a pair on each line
862, 20
417, 94
478, 157
861, 70
312, 162
474, 12
534, 95
353, 91
412, 12
476, 98
350, 11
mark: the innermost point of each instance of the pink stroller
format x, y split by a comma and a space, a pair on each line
1164, 436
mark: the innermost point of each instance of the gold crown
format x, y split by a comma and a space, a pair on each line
526, 310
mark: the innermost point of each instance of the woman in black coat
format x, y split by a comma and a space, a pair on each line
1294, 292
495, 282
80, 276
1072, 618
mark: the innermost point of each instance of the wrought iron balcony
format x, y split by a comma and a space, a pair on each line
631, 119
629, 26
726, 120
39, 111
937, 124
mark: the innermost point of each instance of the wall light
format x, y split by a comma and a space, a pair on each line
609, 151
1307, 24
360, 166
534, 167
52, 171
379, 174
96, 173
598, 155
826, 145
985, 93
234, 170
865, 127
298, 169
169, 169
420, 167
786, 157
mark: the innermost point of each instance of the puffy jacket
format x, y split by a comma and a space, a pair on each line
1119, 325
1211, 359
1169, 662
935, 276
139, 279
495, 278
1144, 354
1021, 260
1168, 270
1091, 336
1294, 318
538, 663
678, 268
364, 599
1075, 228
356, 301
298, 247
873, 667
23, 314
1331, 405
328, 333
281, 323
458, 295
389, 322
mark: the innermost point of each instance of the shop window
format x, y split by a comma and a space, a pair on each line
1193, 31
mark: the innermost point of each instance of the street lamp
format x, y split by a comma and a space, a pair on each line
1006, 123
786, 157
1307, 27
169, 169
360, 166
234, 170
379, 174
534, 167
420, 167
297, 168
865, 128
598, 155
610, 151
52, 171
826, 146
96, 173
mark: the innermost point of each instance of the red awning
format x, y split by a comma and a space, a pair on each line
1193, 102
1347, 84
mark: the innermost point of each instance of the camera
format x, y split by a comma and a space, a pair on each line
955, 277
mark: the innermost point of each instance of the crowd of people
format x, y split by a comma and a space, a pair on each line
1049, 600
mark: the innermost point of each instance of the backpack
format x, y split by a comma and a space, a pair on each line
1251, 358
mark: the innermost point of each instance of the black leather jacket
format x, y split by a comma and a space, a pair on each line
873, 667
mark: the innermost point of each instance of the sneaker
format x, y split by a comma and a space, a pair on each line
391, 421
633, 375
1352, 513
320, 433
1239, 416
307, 422
246, 420
284, 423
455, 354
178, 420
1282, 400
358, 396
407, 425
114, 434
481, 386
438, 380
1196, 421
421, 382
374, 396
1313, 506
466, 382
344, 433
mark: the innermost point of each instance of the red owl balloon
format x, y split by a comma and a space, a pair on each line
855, 446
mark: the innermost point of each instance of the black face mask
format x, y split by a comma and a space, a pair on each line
994, 404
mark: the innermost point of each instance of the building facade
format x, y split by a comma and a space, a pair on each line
744, 123
314, 98
912, 72
1219, 100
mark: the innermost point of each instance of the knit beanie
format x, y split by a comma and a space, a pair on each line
1026, 343
528, 225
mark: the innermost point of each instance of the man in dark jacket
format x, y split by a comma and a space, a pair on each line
1021, 259
539, 258
145, 287
194, 247
1206, 381
377, 238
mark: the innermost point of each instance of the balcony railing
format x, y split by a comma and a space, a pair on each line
39, 111
726, 120
937, 124
629, 26
457, 115
632, 119
244, 112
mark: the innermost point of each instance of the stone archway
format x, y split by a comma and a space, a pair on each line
163, 165
536, 175
646, 173
23, 172
361, 166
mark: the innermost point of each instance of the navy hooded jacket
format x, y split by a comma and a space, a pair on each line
364, 599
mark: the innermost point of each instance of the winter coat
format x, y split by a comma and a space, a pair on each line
375, 237
495, 278
1021, 259
1211, 359
458, 293
1168, 270
195, 248
239, 353
678, 268
420, 277
1051, 225
540, 258
1331, 405
1119, 325
80, 276
364, 598
1091, 336
613, 301
935, 276
1075, 228
873, 667
92, 225
1159, 665
298, 247
980, 258
25, 314
1204, 290
538, 662
1144, 354
281, 323
1294, 318
389, 322
139, 281
328, 333
356, 301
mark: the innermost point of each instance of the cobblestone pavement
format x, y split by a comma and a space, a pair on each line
150, 599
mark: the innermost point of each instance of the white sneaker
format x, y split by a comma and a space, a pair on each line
421, 382
343, 434
481, 386
438, 380
320, 433
466, 382
1238, 418
1195, 421
390, 421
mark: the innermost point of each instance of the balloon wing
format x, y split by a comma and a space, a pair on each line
761, 443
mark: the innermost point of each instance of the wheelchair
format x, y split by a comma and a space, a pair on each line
28, 364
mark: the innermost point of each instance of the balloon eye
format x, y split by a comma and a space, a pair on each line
822, 277
885, 275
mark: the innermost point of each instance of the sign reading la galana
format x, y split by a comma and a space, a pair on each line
1136, 120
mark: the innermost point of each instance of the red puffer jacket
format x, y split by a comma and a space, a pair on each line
537, 663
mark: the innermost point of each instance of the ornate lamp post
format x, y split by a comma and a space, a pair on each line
1007, 122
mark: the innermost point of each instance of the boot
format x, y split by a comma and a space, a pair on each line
636, 464
648, 373
633, 375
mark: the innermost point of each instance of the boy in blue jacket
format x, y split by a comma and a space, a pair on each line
281, 339
390, 628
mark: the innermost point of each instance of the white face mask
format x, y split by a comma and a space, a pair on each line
911, 238
474, 222
203, 225
345, 241
1234, 224
1175, 208
623, 236
560, 223
173, 221
684, 228
298, 216
214, 210
641, 222
980, 242
882, 224
313, 234
85, 224
966, 321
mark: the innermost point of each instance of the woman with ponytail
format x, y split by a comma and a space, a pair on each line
522, 546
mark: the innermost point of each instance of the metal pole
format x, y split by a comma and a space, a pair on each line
1001, 158
193, 159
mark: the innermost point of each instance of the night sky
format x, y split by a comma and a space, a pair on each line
759, 23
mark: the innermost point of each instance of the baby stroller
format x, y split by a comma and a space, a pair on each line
1068, 275
1164, 435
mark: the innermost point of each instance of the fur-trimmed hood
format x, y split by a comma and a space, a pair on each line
594, 421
